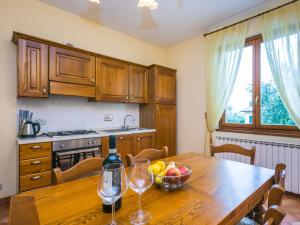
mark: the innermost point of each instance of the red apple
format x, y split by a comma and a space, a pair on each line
173, 172
183, 170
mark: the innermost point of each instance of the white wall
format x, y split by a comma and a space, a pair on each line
189, 59
39, 19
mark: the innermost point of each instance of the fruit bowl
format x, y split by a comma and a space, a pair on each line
173, 176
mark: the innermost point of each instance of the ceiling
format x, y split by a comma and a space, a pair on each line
173, 22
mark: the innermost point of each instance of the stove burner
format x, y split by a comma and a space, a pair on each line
70, 132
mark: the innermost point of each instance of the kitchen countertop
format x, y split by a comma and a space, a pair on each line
100, 133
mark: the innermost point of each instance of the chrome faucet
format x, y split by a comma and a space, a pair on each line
125, 127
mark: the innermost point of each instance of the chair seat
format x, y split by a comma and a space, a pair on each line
247, 221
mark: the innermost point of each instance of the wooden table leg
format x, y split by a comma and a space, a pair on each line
259, 212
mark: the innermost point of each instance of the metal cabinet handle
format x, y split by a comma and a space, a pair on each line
93, 80
138, 139
36, 178
157, 108
36, 162
121, 138
131, 98
157, 98
127, 97
44, 91
36, 147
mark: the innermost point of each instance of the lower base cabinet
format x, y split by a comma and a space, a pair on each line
34, 166
130, 144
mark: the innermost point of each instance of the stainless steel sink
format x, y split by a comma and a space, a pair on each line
124, 129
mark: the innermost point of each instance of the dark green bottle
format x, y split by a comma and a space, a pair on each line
112, 157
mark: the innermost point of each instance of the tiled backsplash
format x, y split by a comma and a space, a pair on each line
67, 113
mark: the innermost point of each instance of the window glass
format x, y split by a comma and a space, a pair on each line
272, 109
239, 109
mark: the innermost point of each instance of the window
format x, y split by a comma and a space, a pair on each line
255, 104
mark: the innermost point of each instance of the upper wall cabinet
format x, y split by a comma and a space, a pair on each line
112, 81
32, 69
165, 85
71, 67
138, 84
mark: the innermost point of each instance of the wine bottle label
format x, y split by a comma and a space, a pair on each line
112, 150
107, 185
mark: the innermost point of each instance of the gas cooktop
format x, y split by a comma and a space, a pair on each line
69, 133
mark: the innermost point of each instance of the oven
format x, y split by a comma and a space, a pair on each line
67, 153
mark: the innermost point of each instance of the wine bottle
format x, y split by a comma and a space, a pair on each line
112, 157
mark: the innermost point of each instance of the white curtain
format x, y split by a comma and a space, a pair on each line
225, 51
281, 35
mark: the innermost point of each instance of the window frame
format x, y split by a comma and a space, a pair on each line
256, 126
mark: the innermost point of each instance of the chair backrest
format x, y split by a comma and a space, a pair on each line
274, 215
23, 211
275, 195
279, 177
230, 148
151, 154
83, 168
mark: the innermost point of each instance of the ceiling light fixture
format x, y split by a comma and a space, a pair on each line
151, 4
95, 1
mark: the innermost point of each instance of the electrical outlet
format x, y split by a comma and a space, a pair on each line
108, 117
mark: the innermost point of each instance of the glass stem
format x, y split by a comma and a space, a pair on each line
140, 205
113, 221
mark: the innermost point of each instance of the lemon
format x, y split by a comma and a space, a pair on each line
162, 173
155, 169
158, 180
161, 164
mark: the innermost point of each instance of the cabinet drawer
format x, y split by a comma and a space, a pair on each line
38, 165
36, 150
35, 181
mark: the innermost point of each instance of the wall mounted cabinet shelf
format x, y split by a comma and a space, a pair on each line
46, 67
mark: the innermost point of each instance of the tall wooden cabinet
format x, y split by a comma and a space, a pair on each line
160, 113
32, 69
121, 82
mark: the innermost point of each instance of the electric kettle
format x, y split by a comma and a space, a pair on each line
29, 129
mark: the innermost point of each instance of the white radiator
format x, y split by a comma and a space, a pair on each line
268, 154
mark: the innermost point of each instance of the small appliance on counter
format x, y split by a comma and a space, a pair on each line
27, 128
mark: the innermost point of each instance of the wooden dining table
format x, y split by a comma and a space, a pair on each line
218, 192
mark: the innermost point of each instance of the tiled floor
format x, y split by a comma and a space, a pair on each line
290, 204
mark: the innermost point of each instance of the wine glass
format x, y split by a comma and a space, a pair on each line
112, 185
140, 179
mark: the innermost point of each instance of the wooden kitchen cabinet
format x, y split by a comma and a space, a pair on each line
34, 165
144, 141
126, 144
166, 127
164, 84
138, 84
112, 81
73, 67
32, 69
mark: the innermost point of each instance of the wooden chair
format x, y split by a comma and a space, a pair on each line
273, 211
275, 195
23, 211
151, 154
279, 177
83, 168
230, 148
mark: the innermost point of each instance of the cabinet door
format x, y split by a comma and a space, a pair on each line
71, 67
145, 141
112, 81
32, 69
166, 127
126, 144
165, 86
138, 84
